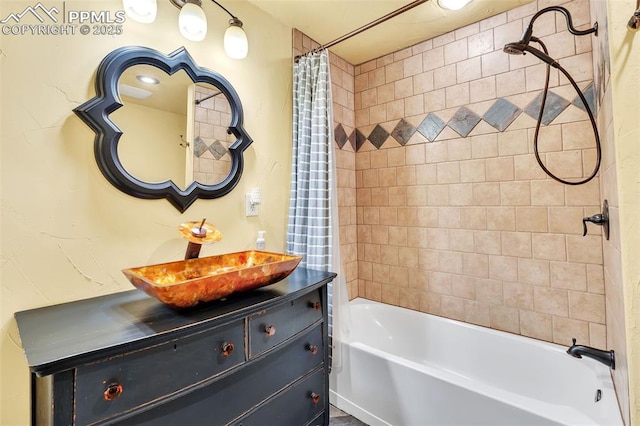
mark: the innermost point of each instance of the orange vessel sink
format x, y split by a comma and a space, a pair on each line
188, 282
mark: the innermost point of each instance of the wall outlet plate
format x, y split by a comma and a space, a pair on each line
251, 208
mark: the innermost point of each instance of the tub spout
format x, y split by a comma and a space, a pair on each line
605, 357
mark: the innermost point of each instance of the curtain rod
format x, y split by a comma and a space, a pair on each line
368, 26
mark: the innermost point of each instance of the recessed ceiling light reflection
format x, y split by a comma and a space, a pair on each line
147, 79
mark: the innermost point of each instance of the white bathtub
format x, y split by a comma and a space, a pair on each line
405, 368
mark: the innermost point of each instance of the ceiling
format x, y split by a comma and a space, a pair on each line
326, 20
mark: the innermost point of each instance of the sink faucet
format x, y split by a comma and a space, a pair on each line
605, 357
198, 234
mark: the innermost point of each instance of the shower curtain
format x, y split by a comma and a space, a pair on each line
313, 209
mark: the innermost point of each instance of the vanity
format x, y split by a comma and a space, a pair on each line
254, 358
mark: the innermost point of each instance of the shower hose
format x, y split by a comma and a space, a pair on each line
589, 113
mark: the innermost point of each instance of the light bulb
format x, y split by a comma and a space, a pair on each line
235, 40
192, 22
144, 11
453, 4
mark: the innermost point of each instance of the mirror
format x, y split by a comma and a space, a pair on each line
165, 128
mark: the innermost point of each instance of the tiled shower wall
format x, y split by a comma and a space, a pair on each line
455, 217
211, 159
451, 214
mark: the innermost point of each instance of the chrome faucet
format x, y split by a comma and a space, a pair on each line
605, 357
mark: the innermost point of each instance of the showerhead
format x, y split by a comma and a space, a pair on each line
514, 48
519, 48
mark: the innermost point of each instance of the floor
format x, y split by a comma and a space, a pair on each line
340, 418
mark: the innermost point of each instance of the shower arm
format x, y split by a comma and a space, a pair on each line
526, 36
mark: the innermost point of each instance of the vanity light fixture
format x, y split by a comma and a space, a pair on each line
193, 26
147, 79
144, 11
453, 4
192, 21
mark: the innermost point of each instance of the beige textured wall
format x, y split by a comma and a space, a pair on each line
468, 226
66, 232
619, 123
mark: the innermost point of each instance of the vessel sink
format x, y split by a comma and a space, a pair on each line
188, 282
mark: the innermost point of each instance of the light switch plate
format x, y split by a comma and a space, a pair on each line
251, 208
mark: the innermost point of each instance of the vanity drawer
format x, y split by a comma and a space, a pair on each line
298, 405
271, 327
224, 400
118, 384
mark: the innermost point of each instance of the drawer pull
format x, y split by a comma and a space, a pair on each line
315, 305
227, 348
315, 397
313, 349
270, 330
113, 391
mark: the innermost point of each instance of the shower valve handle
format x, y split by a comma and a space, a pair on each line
598, 219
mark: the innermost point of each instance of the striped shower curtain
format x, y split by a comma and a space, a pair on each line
312, 228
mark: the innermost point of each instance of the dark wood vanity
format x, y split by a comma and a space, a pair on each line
255, 358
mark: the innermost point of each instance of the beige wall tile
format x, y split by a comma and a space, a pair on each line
595, 279
547, 193
480, 43
482, 89
444, 76
434, 100
394, 72
516, 244
501, 218
485, 146
440, 282
463, 286
570, 276
477, 313
515, 193
423, 82
505, 319
468, 69
487, 242
409, 298
452, 307
527, 168
403, 88
462, 195
461, 240
533, 271
517, 295
412, 65
475, 265
458, 149
495, 63
597, 335
433, 59
584, 249
566, 220
386, 93
587, 307
472, 170
503, 268
536, 325
486, 194
564, 329
552, 301
532, 219
449, 217
510, 83
500, 169
513, 142
549, 246
455, 51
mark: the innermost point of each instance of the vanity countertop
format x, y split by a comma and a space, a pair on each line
55, 337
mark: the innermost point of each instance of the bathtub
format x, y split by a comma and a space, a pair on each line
405, 368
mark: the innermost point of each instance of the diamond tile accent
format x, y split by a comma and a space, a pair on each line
501, 114
431, 126
199, 147
217, 149
403, 132
352, 140
340, 135
378, 136
463, 121
553, 106
590, 96
360, 139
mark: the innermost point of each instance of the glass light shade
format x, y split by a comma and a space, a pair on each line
144, 11
192, 22
453, 4
235, 40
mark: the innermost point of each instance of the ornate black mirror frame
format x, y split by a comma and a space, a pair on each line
95, 113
